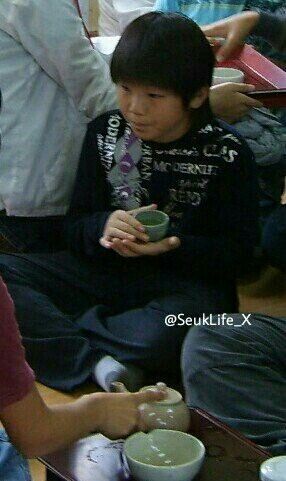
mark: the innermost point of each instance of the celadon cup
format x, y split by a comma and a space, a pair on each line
227, 74
155, 223
164, 455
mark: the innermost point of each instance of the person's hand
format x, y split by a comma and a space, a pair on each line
117, 415
122, 224
229, 101
234, 29
127, 248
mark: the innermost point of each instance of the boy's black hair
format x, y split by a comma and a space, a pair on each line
166, 50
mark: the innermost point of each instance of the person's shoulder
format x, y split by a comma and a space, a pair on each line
229, 145
228, 136
225, 131
110, 118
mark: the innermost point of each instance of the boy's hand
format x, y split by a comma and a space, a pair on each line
127, 248
123, 225
117, 415
229, 102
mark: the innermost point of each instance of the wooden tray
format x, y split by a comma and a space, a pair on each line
229, 456
261, 72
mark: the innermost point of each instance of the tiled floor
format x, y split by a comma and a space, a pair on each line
266, 296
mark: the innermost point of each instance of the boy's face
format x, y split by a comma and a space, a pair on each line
153, 113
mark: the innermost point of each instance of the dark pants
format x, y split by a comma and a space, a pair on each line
238, 374
31, 234
71, 312
274, 238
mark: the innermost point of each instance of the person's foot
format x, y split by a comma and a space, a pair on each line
108, 370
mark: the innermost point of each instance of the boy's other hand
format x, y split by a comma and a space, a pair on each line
122, 224
230, 102
234, 29
127, 248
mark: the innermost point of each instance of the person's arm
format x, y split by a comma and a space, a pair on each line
217, 238
235, 29
91, 221
272, 27
90, 205
37, 429
233, 224
230, 101
52, 33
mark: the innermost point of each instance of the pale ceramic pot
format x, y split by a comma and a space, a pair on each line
170, 413
164, 455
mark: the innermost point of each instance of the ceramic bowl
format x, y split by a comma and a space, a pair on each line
225, 74
164, 455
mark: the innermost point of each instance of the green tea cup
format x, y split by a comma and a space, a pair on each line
155, 223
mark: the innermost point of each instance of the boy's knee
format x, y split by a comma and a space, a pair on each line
7, 266
14, 269
207, 346
165, 349
190, 357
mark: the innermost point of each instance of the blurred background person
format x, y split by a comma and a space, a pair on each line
114, 15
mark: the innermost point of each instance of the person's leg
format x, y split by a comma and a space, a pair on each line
238, 374
71, 314
49, 293
140, 334
65, 310
274, 238
62, 306
31, 234
13, 467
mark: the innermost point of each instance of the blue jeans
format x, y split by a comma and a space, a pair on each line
13, 467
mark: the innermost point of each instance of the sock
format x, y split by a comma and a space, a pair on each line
108, 370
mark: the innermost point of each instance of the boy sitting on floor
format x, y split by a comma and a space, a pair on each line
100, 311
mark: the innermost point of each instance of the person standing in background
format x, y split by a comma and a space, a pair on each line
84, 8
114, 15
205, 12
53, 83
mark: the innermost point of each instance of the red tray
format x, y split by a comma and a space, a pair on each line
229, 456
269, 80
